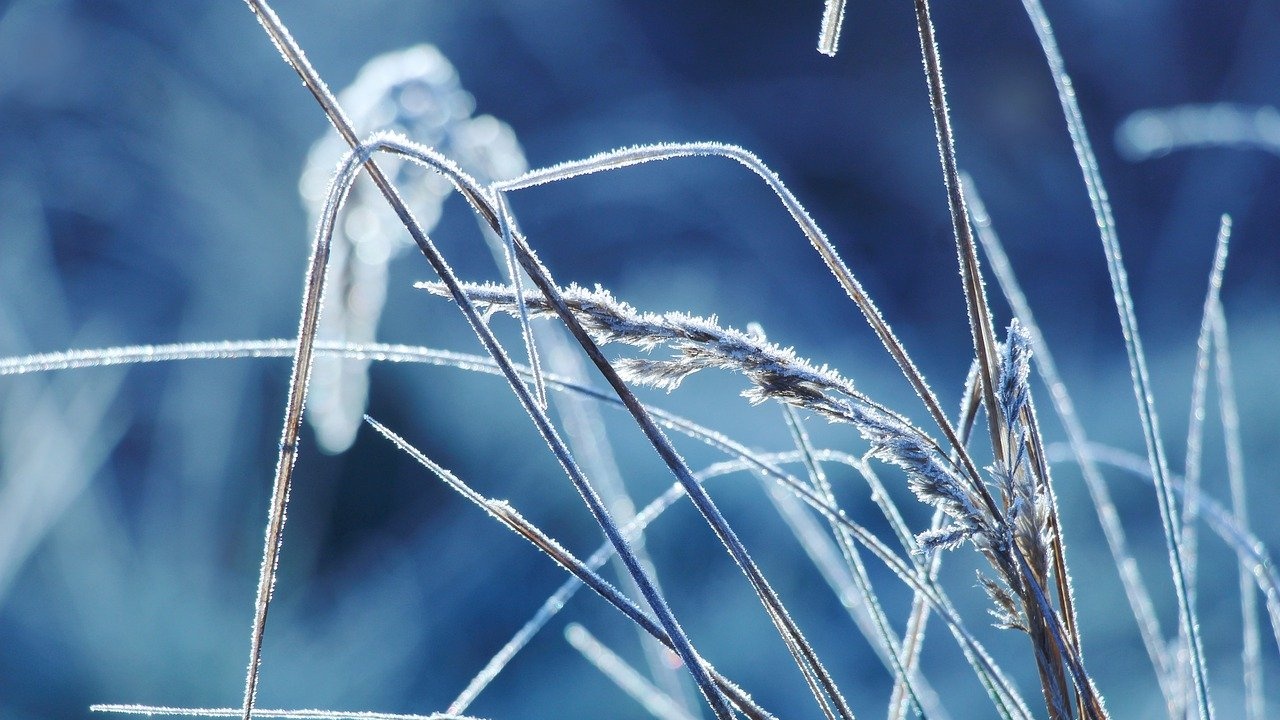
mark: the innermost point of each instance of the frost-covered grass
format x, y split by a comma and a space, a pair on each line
406, 126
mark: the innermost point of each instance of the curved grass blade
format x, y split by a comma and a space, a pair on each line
1195, 419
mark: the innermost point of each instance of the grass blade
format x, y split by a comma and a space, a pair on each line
1142, 389
658, 703
1255, 700
626, 157
832, 23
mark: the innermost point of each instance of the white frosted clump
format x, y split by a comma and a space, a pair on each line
414, 92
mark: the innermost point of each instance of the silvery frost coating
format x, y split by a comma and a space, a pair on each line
416, 92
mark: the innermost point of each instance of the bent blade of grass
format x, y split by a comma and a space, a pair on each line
299, 376
626, 157
628, 679
1142, 389
832, 24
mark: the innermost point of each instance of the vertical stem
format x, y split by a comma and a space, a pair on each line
1133, 347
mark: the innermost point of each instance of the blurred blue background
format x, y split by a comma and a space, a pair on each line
149, 163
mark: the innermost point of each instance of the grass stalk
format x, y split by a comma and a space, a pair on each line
1142, 389
1193, 463
628, 679
1251, 655
832, 23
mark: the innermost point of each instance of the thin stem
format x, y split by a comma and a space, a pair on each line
980, 325
1255, 700
1142, 389
628, 679
1193, 464
513, 271
832, 23
1199, 389
300, 374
